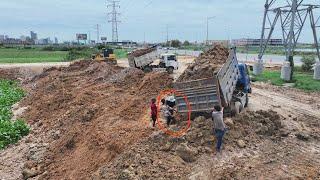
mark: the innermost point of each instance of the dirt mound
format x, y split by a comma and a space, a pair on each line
173, 158
206, 65
88, 114
10, 74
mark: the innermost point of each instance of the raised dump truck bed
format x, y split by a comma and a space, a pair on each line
140, 60
144, 59
204, 94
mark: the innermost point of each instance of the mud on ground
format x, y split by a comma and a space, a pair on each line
181, 158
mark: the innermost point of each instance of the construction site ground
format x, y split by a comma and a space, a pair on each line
91, 121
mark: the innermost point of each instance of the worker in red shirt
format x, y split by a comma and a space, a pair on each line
154, 112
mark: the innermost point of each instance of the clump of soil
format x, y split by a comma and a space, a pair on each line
173, 158
206, 65
88, 114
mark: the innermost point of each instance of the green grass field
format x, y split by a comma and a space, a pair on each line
12, 55
302, 80
15, 55
121, 53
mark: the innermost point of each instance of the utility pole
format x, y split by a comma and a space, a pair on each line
144, 38
98, 33
114, 19
292, 15
167, 34
208, 18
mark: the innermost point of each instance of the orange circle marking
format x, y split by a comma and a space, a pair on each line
165, 129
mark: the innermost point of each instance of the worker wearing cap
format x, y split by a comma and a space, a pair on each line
219, 126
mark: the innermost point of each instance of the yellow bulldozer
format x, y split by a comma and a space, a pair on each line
107, 56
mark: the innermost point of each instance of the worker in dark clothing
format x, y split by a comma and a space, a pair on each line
154, 112
170, 117
219, 126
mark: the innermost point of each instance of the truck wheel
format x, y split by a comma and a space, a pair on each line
238, 107
162, 65
147, 69
170, 70
247, 101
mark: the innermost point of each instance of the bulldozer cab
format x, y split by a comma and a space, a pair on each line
107, 53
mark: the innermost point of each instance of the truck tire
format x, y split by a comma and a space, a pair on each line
247, 101
238, 107
170, 70
162, 65
147, 69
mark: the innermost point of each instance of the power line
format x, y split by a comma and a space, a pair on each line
132, 6
114, 19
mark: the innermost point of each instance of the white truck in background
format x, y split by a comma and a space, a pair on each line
144, 59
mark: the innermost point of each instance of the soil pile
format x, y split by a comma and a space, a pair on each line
173, 158
10, 74
140, 52
206, 65
88, 114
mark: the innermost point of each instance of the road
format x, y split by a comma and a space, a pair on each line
270, 59
36, 67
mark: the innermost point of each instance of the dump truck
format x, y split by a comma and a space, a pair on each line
229, 88
144, 59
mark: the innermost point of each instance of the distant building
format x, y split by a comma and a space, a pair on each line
221, 42
12, 41
123, 43
2, 38
56, 40
34, 36
45, 41
23, 38
256, 42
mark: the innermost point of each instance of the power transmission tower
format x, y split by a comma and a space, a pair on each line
114, 18
293, 15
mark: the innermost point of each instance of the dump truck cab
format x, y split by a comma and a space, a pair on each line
244, 78
169, 61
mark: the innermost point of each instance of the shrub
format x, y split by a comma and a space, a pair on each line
308, 62
176, 43
80, 52
10, 132
186, 43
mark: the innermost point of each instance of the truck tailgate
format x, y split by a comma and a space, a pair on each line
202, 95
228, 77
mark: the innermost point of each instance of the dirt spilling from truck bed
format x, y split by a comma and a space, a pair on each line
86, 115
174, 158
140, 52
206, 65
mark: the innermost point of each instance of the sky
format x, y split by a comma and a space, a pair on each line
140, 19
